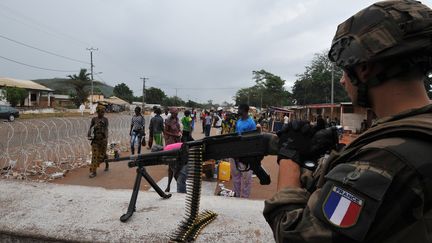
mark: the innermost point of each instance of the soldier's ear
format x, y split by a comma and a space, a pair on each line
365, 71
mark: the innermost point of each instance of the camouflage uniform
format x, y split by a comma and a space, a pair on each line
379, 188
99, 142
386, 173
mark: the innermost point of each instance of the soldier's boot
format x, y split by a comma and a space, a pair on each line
92, 171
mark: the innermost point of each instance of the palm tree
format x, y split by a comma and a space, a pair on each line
79, 83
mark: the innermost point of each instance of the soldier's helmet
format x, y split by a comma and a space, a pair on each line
384, 31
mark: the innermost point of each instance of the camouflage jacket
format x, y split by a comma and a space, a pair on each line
100, 130
379, 189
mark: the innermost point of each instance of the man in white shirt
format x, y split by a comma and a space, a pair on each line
81, 109
286, 119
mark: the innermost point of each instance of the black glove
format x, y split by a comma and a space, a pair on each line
295, 141
324, 140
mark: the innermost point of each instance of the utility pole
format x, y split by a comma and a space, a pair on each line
143, 100
91, 49
332, 92
176, 97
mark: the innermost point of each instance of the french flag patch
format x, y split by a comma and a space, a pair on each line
342, 208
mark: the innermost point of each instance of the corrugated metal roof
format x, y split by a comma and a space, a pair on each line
25, 84
116, 101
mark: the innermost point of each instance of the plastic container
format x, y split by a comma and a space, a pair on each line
224, 170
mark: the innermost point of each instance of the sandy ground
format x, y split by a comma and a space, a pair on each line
121, 177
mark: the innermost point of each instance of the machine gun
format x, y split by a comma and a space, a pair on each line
248, 148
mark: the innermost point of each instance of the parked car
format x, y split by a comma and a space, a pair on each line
7, 112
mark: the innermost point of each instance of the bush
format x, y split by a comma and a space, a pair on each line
15, 95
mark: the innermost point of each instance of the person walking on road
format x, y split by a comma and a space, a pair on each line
242, 180
202, 117
137, 131
187, 127
98, 133
156, 128
81, 109
172, 135
207, 121
218, 121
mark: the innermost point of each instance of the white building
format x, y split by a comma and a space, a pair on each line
38, 95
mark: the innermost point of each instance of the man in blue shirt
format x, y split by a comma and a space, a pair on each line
245, 123
242, 180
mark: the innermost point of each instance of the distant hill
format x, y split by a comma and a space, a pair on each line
63, 86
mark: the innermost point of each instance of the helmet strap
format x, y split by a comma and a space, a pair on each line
362, 95
391, 70
362, 88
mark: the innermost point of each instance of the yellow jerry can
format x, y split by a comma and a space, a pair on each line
224, 171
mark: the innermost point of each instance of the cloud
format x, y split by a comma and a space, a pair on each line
188, 46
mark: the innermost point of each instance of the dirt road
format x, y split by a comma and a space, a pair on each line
121, 177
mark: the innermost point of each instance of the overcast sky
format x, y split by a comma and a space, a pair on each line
205, 49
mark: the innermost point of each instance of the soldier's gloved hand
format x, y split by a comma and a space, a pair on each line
295, 141
324, 140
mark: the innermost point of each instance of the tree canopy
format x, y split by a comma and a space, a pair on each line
314, 85
123, 92
268, 90
193, 104
173, 101
154, 95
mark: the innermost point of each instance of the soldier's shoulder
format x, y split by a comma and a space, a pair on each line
403, 147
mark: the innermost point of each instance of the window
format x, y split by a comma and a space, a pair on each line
33, 97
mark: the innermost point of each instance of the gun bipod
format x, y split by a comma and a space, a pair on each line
141, 172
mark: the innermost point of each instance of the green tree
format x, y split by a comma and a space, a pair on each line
154, 95
80, 83
314, 85
97, 90
123, 92
193, 104
268, 90
173, 101
15, 95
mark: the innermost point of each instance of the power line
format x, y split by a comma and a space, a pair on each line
197, 89
91, 49
32, 23
144, 81
100, 78
36, 25
32, 66
214, 88
48, 52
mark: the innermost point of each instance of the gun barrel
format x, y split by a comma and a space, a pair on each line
119, 159
148, 156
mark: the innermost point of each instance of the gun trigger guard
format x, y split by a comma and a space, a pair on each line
241, 170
